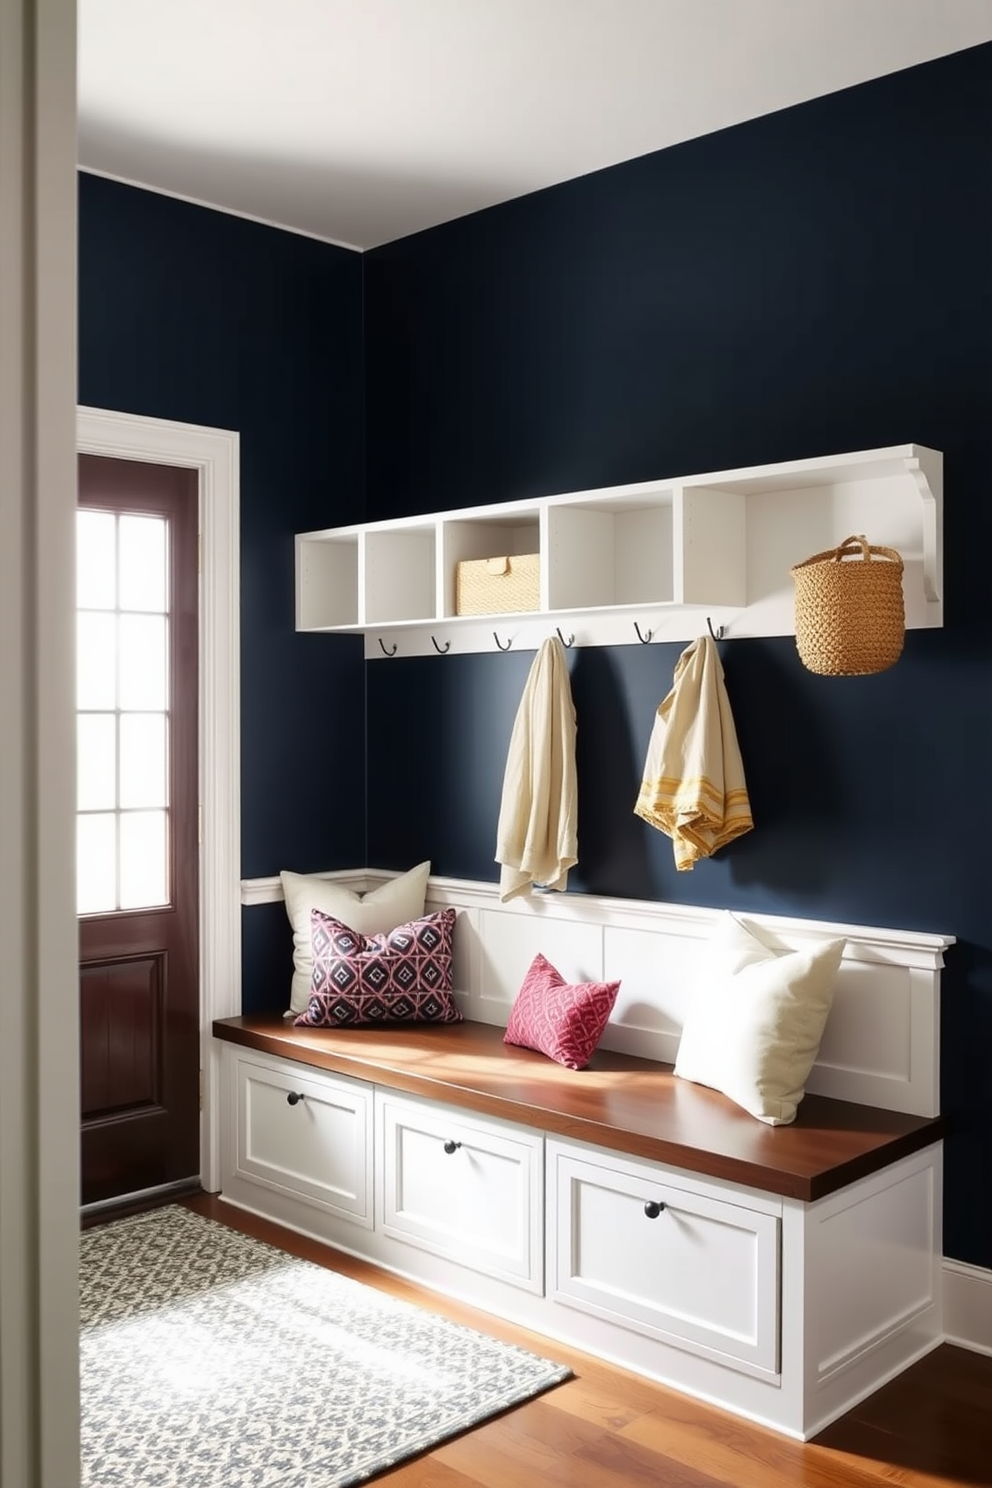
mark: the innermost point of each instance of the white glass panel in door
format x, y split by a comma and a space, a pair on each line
96, 863
142, 661
96, 660
142, 563
143, 859
142, 771
96, 561
96, 761
122, 711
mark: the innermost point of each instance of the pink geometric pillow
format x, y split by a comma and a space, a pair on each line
565, 1021
403, 976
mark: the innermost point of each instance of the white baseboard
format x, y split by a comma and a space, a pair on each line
968, 1306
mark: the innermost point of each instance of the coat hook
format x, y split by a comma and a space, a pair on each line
384, 651
716, 634
441, 650
500, 643
643, 638
569, 642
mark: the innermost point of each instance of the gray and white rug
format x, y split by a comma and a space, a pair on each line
212, 1360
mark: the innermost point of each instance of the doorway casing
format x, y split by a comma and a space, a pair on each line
214, 453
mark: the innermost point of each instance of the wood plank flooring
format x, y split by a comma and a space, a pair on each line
607, 1428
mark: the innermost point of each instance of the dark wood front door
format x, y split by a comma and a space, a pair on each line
137, 847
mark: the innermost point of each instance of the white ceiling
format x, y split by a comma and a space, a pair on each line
361, 121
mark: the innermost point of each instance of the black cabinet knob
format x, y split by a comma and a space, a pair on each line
294, 1097
451, 1147
653, 1208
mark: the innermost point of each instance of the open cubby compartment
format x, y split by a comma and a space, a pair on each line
327, 580
398, 568
493, 534
710, 546
893, 496
611, 548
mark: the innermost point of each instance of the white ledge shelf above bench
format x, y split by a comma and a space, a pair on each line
628, 564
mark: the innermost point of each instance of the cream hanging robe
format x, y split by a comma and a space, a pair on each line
693, 787
536, 840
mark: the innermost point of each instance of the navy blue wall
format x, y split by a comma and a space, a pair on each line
816, 281
191, 314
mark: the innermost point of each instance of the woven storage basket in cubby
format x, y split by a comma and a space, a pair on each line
850, 616
497, 586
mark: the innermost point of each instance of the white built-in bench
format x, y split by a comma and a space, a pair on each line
781, 1272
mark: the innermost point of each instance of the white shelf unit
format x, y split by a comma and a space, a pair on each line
618, 565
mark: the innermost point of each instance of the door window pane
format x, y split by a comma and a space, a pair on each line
143, 779
143, 678
122, 711
96, 660
96, 560
143, 859
142, 563
96, 761
96, 863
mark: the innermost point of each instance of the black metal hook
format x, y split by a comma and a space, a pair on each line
569, 642
500, 643
716, 634
384, 651
643, 638
441, 650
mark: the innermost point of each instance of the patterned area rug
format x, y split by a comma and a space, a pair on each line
212, 1360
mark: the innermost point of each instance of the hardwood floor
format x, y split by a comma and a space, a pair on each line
606, 1428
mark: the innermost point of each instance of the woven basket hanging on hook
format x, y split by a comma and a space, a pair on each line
850, 616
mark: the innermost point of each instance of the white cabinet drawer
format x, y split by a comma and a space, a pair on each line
665, 1257
304, 1133
466, 1189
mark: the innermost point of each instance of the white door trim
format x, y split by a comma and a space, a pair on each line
214, 453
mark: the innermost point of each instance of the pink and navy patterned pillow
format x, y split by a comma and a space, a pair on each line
403, 976
563, 1020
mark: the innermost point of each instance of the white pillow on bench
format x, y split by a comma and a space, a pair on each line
754, 1024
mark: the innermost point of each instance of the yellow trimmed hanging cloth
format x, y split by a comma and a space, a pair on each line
693, 788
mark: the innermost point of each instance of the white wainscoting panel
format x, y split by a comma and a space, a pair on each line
881, 1044
509, 944
896, 1249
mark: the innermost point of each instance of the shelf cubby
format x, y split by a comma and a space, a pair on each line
399, 573
489, 535
603, 554
327, 582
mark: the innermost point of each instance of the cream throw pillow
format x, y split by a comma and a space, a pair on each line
380, 911
754, 1027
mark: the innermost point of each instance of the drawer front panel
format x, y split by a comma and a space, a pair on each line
470, 1191
305, 1134
702, 1273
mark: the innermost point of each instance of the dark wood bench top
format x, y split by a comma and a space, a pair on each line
628, 1104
